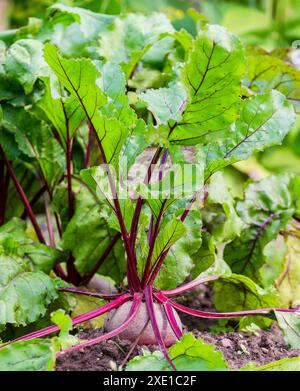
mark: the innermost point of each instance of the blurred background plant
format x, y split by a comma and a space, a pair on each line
271, 24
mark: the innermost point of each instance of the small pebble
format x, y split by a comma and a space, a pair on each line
265, 350
226, 343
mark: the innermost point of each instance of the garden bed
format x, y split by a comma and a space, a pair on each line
239, 348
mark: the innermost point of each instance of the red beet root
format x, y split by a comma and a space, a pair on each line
135, 329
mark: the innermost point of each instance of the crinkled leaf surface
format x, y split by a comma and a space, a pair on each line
32, 355
91, 23
219, 213
35, 140
131, 36
237, 292
165, 103
15, 241
24, 294
264, 120
212, 76
267, 208
79, 77
266, 72
25, 63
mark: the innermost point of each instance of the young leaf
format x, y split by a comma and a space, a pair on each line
183, 257
188, 354
169, 234
165, 103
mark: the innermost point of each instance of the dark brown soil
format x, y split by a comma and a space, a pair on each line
239, 348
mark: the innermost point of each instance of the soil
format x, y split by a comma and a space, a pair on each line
239, 348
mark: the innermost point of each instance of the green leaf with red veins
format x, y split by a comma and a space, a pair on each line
36, 142
267, 208
79, 77
237, 292
264, 121
183, 257
212, 76
65, 113
165, 103
266, 72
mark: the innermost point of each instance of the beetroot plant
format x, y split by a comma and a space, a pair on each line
125, 139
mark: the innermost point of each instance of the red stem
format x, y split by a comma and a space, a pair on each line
76, 320
152, 243
69, 175
156, 267
218, 315
132, 277
88, 148
23, 197
172, 320
4, 182
35, 199
139, 204
106, 296
150, 307
190, 285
